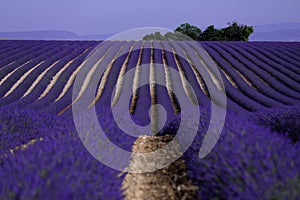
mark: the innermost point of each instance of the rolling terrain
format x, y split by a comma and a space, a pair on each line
42, 81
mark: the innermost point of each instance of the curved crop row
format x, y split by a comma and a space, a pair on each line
25, 81
252, 72
277, 65
44, 78
258, 77
289, 58
24, 57
233, 93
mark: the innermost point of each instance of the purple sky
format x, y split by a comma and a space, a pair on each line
98, 17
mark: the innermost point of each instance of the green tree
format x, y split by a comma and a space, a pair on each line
211, 34
190, 30
237, 32
154, 36
234, 32
169, 36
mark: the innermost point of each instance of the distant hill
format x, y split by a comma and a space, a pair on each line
270, 32
94, 37
42, 35
51, 35
276, 32
277, 27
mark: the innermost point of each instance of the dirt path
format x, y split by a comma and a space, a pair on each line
171, 182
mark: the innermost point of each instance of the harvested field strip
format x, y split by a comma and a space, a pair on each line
86, 81
121, 77
184, 81
22, 79
72, 78
11, 73
105, 77
171, 182
38, 79
136, 82
169, 84
152, 81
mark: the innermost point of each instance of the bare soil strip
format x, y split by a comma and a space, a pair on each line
228, 77
34, 84
183, 78
55, 79
11, 73
136, 82
105, 77
21, 147
22, 78
169, 83
25, 146
120, 80
171, 182
153, 94
197, 74
210, 72
72, 77
7, 65
86, 81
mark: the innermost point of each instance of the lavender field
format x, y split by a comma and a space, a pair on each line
42, 156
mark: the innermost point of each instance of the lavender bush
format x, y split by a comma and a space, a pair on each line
248, 162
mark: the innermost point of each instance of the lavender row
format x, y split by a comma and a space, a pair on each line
189, 73
119, 55
24, 57
29, 80
253, 70
25, 53
143, 101
16, 47
19, 58
58, 87
285, 54
235, 101
162, 95
19, 72
259, 92
234, 93
248, 162
171, 54
85, 98
277, 64
13, 49
288, 46
16, 74
58, 167
18, 127
45, 80
282, 120
286, 81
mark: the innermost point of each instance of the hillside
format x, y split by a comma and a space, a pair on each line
74, 116
270, 32
277, 32
51, 35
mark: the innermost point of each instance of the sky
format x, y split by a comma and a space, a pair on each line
102, 16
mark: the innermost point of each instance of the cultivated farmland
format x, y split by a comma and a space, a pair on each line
41, 155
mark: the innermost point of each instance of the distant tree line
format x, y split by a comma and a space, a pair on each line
233, 32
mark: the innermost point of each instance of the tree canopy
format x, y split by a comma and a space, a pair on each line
192, 31
233, 32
